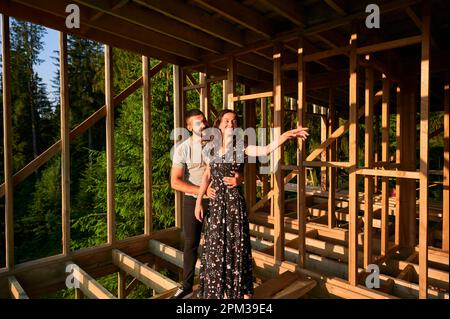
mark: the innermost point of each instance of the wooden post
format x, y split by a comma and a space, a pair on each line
7, 144
147, 114
377, 146
332, 123
405, 218
230, 83
264, 125
250, 168
278, 187
65, 143
353, 159
178, 109
323, 155
301, 150
398, 158
385, 116
204, 94
110, 174
423, 180
445, 205
121, 284
368, 163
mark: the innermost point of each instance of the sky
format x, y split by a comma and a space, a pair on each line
47, 70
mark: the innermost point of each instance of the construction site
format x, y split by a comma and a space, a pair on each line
365, 75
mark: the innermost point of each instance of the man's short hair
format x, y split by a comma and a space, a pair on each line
191, 113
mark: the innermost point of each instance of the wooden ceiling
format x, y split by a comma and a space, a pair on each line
201, 34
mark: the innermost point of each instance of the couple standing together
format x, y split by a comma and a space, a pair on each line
226, 261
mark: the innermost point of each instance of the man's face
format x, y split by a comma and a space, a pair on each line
197, 124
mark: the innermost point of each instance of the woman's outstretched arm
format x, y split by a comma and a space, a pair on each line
206, 179
255, 150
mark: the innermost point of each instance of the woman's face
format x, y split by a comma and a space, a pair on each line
227, 124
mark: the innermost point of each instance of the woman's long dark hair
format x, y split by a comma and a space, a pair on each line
220, 117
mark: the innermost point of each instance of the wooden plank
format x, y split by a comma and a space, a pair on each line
388, 173
153, 21
204, 94
278, 186
230, 83
389, 45
178, 123
274, 285
147, 136
250, 166
121, 284
445, 197
7, 144
197, 18
406, 218
353, 159
110, 149
143, 273
385, 127
16, 289
323, 156
423, 181
65, 143
332, 181
240, 14
253, 96
368, 162
398, 158
301, 150
89, 286
264, 125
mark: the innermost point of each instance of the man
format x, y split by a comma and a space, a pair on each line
186, 177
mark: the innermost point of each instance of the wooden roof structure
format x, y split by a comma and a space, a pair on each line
202, 34
317, 51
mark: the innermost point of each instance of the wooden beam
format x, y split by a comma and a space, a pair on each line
288, 9
264, 125
204, 94
119, 28
196, 18
445, 197
385, 127
323, 156
240, 14
230, 84
156, 22
278, 187
332, 123
16, 289
252, 96
336, 7
406, 188
147, 139
368, 162
121, 284
353, 159
386, 174
143, 273
178, 123
250, 167
89, 286
7, 144
390, 45
65, 143
301, 150
423, 181
110, 149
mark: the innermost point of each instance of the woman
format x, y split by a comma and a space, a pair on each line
226, 263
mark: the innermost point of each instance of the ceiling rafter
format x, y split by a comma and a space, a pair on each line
156, 22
